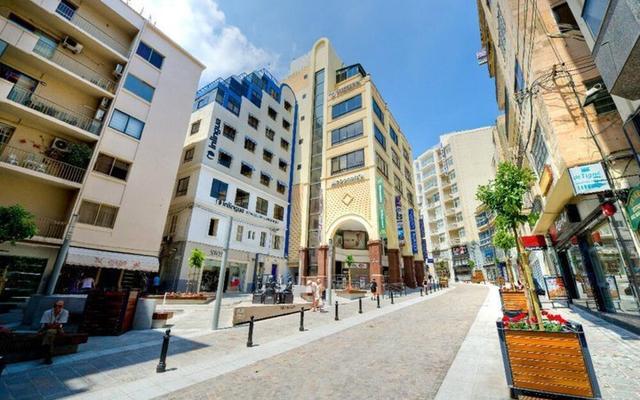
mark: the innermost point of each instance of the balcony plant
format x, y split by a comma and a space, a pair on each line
78, 155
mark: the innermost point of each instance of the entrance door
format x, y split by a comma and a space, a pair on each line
20, 277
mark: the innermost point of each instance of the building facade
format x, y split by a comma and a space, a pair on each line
93, 104
447, 177
561, 122
353, 191
236, 163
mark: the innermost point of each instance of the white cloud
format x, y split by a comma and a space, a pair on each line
200, 27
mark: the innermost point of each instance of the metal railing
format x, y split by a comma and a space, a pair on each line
49, 51
48, 107
50, 228
41, 163
72, 16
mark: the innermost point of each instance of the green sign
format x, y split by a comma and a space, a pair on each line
633, 207
382, 220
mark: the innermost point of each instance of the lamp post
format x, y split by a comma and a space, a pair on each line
223, 267
62, 256
330, 271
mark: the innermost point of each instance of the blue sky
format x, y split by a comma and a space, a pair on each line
420, 53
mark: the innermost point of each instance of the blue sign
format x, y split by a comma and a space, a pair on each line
412, 229
589, 178
399, 225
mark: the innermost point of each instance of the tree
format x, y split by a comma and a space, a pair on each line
16, 223
504, 240
196, 259
349, 261
505, 197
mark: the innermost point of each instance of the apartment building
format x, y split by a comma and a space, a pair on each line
353, 191
561, 122
93, 104
447, 177
234, 179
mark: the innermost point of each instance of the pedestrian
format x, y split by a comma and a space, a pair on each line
314, 294
51, 326
319, 290
87, 283
156, 284
374, 289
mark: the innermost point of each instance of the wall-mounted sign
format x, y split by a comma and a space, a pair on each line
213, 140
589, 178
343, 90
555, 288
382, 219
534, 242
633, 207
347, 181
423, 240
354, 240
399, 225
412, 231
241, 210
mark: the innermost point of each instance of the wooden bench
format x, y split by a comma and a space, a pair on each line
159, 319
25, 346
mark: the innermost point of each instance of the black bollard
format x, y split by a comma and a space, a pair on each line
250, 338
302, 319
359, 305
405, 290
336, 318
391, 297
162, 364
378, 299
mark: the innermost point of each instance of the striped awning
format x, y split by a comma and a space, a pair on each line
110, 259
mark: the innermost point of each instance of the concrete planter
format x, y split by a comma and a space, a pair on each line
544, 364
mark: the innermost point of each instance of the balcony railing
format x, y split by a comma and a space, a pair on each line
41, 163
48, 107
49, 51
72, 16
50, 228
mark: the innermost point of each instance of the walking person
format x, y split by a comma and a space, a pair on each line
314, 295
319, 289
374, 289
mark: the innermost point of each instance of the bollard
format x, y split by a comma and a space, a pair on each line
336, 317
405, 290
359, 305
378, 299
301, 319
421, 292
162, 364
250, 338
391, 297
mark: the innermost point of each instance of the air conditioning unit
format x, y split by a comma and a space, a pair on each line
104, 103
71, 44
118, 70
60, 145
99, 116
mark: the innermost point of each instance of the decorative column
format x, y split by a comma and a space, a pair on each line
419, 268
303, 266
322, 257
375, 263
409, 273
394, 266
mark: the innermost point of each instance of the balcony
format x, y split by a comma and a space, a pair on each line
39, 164
49, 228
616, 32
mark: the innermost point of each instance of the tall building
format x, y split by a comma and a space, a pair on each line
236, 164
562, 122
447, 177
353, 191
93, 104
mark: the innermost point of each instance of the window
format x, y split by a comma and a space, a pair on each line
138, 87
405, 154
410, 197
182, 187
246, 169
195, 127
282, 164
454, 188
272, 113
377, 110
263, 239
262, 206
97, 214
519, 78
188, 154
239, 233
278, 212
251, 235
224, 159
265, 179
346, 106
112, 166
253, 121
242, 198
539, 150
407, 174
286, 124
287, 105
233, 106
382, 165
281, 188
348, 161
393, 134
397, 183
395, 158
269, 133
229, 132
126, 124
150, 54
502, 33
173, 224
66, 9
593, 13
347, 132
602, 101
347, 72
267, 155
213, 227
277, 242
284, 144
380, 136
219, 190
249, 144
564, 18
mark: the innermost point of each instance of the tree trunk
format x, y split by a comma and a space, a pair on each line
510, 272
534, 302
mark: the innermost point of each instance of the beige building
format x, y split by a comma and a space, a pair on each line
447, 177
353, 191
94, 101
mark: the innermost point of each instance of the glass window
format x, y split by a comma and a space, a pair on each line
281, 187
377, 110
286, 124
213, 227
287, 105
265, 179
539, 150
151, 55
219, 190
346, 106
267, 155
393, 134
395, 158
182, 187
593, 13
347, 132
269, 133
380, 136
282, 164
249, 144
195, 127
272, 113
188, 154
139, 87
242, 198
253, 121
97, 214
284, 144
229, 132
277, 242
382, 165
246, 169
347, 72
519, 77
224, 159
239, 232
112, 166
262, 206
126, 124
278, 212
348, 161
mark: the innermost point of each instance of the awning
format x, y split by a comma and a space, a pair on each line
109, 259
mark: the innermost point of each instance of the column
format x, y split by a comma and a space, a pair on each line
375, 263
419, 269
409, 273
322, 257
303, 266
394, 266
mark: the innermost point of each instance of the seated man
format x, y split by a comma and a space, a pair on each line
52, 321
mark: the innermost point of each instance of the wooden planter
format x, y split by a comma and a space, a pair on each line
444, 282
553, 365
513, 300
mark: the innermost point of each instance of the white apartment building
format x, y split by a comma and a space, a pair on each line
447, 177
236, 163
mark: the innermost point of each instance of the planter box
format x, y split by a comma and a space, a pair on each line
444, 283
548, 364
513, 300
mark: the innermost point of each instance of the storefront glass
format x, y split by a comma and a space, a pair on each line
585, 291
235, 276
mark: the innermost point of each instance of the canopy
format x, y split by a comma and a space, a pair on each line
109, 259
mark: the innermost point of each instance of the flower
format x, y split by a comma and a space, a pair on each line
533, 320
505, 319
545, 312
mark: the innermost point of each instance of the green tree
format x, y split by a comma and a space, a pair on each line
349, 261
504, 240
16, 223
196, 260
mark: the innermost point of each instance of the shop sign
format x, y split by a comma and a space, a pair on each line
555, 288
241, 210
412, 231
589, 178
354, 240
382, 220
399, 225
534, 242
633, 207
347, 181
213, 140
343, 90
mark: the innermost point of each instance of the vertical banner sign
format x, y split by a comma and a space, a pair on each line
399, 224
213, 140
382, 220
412, 231
633, 207
423, 239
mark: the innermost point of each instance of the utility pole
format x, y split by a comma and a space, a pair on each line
62, 256
329, 271
221, 275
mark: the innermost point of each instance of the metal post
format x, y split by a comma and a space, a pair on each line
61, 257
301, 319
330, 271
359, 305
223, 268
337, 319
405, 290
250, 338
162, 364
392, 297
421, 292
378, 299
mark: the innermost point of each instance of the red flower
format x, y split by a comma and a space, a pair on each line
545, 312
534, 320
505, 319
